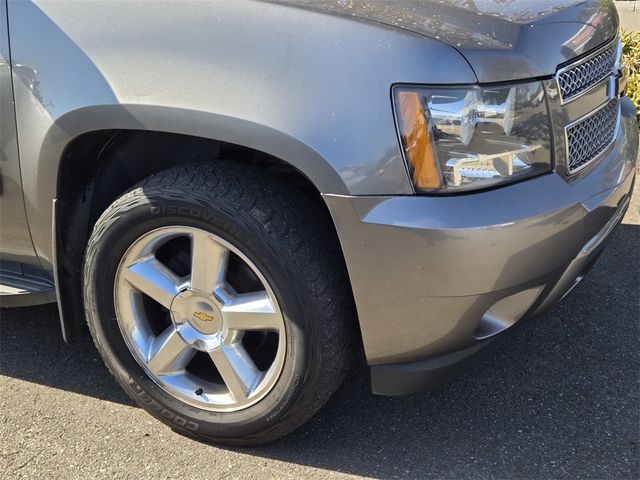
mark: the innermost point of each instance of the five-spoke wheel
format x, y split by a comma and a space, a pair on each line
217, 296
190, 328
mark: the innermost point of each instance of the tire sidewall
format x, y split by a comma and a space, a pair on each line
113, 235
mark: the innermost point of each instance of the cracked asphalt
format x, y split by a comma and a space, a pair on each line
559, 398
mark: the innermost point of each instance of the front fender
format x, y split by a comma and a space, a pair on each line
40, 188
310, 88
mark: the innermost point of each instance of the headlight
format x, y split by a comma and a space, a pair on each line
457, 139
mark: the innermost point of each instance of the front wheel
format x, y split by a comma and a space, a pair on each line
219, 302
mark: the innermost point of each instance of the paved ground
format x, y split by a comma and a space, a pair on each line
629, 13
559, 399
630, 20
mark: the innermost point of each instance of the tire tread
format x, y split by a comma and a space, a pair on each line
289, 218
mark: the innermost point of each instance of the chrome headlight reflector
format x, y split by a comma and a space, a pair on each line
456, 139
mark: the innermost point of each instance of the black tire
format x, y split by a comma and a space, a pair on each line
278, 228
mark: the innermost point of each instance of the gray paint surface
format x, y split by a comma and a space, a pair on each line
461, 255
502, 40
14, 234
313, 88
308, 88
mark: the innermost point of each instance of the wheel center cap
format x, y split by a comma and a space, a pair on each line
198, 311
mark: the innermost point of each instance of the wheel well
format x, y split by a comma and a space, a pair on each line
97, 167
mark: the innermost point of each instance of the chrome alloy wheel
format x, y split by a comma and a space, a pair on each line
200, 318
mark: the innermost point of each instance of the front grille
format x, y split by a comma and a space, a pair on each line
589, 137
583, 75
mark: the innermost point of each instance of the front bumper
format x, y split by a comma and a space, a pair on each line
435, 279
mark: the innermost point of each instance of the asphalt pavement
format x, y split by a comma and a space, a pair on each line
559, 398
629, 13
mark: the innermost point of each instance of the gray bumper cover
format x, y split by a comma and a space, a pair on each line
436, 278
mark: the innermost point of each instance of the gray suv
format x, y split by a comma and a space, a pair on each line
238, 197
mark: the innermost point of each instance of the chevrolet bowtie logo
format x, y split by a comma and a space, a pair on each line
203, 317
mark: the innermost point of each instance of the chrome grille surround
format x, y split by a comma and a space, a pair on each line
590, 136
585, 74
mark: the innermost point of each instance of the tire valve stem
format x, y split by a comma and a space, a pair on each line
199, 391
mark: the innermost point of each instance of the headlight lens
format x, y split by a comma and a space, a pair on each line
457, 139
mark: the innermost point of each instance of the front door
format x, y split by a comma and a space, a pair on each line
15, 241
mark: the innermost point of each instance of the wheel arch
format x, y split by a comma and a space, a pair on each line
95, 167
202, 124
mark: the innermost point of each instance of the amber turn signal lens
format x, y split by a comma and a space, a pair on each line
416, 141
